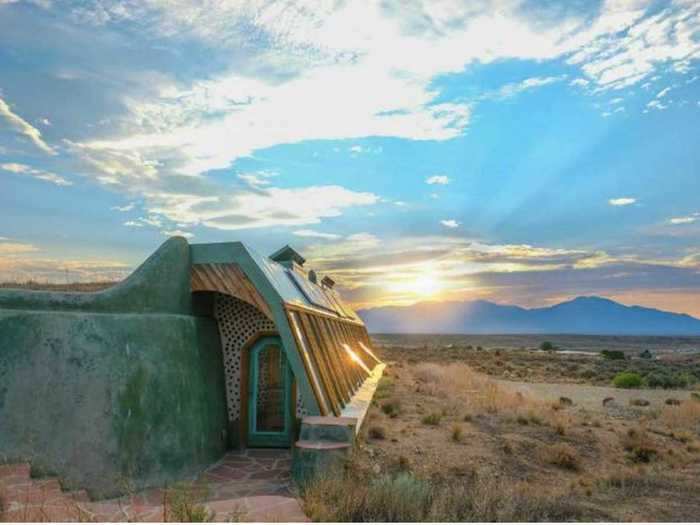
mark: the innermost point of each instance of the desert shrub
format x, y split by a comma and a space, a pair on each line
432, 419
376, 432
347, 499
546, 346
695, 396
658, 380
468, 418
489, 499
588, 373
392, 408
400, 499
639, 446
683, 417
384, 388
627, 380
613, 355
457, 433
562, 455
646, 354
428, 373
669, 380
404, 498
183, 503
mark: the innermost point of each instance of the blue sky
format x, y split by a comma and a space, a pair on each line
519, 151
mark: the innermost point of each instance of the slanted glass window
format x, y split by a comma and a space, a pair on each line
301, 337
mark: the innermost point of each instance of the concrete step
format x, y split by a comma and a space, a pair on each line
328, 428
313, 458
321, 445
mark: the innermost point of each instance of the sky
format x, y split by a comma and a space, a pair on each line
523, 152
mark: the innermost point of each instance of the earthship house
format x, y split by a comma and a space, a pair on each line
204, 347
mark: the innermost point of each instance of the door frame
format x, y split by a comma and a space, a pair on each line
257, 438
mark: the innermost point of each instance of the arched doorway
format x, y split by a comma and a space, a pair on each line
270, 403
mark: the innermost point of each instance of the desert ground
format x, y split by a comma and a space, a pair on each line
469, 428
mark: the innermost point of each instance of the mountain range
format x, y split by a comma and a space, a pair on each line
582, 315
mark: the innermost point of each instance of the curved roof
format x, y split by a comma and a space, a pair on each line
326, 343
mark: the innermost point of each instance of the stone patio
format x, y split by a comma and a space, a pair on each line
247, 485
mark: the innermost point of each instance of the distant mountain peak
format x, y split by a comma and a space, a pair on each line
590, 314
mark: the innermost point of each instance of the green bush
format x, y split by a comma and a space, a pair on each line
546, 346
392, 408
668, 380
627, 380
613, 355
432, 419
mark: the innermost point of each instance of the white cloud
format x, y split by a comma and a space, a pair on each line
126, 207
438, 179
655, 104
47, 176
315, 234
663, 92
340, 71
45, 122
449, 223
133, 224
513, 89
352, 70
257, 209
622, 201
15, 248
683, 220
257, 179
643, 43
178, 233
21, 126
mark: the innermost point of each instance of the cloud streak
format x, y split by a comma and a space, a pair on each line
46, 176
24, 128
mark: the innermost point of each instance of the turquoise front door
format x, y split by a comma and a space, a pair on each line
269, 395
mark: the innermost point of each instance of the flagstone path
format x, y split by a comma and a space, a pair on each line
248, 485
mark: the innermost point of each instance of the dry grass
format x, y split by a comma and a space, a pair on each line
376, 432
562, 455
405, 498
184, 503
462, 388
640, 447
685, 416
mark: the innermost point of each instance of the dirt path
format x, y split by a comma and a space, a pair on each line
591, 397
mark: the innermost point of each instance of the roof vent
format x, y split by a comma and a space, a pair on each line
328, 282
313, 277
288, 257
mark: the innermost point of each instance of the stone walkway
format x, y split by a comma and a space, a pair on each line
248, 485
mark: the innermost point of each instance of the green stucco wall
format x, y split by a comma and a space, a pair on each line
113, 401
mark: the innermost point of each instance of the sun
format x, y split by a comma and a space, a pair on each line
426, 285
422, 285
